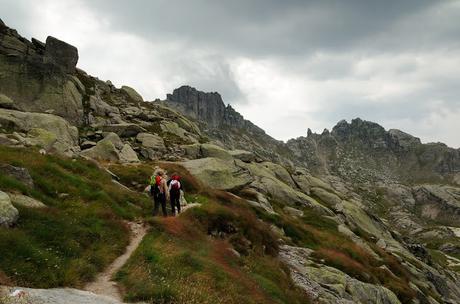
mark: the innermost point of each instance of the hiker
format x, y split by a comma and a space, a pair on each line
175, 187
159, 191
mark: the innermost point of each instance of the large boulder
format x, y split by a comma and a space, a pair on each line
151, 141
6, 102
114, 139
258, 199
243, 155
266, 182
173, 128
101, 108
8, 214
53, 296
210, 150
41, 137
51, 131
61, 54
218, 173
18, 173
25, 201
206, 150
132, 94
111, 149
280, 172
39, 78
438, 203
106, 149
124, 129
329, 198
128, 155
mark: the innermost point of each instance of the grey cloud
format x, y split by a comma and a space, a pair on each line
269, 27
211, 74
309, 40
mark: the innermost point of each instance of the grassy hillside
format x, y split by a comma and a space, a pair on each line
223, 251
219, 252
77, 235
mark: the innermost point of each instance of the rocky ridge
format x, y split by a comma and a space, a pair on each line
383, 189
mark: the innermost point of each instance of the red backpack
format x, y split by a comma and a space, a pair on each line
175, 183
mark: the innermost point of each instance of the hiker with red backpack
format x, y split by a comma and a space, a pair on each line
159, 191
174, 193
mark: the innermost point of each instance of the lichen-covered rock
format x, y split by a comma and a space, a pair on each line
132, 94
101, 108
25, 201
152, 141
325, 284
8, 214
6, 102
128, 155
42, 138
293, 211
104, 150
218, 173
440, 203
62, 54
192, 151
265, 182
111, 149
18, 173
210, 150
37, 78
329, 198
53, 296
124, 129
243, 155
114, 139
259, 200
173, 128
52, 131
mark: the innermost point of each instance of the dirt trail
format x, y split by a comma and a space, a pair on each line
103, 284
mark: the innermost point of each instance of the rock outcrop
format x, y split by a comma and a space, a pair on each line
40, 77
218, 173
8, 214
20, 174
53, 296
48, 131
364, 151
223, 123
111, 149
328, 285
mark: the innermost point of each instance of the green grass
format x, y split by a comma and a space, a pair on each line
77, 235
188, 259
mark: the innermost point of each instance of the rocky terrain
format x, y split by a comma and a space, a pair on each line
358, 214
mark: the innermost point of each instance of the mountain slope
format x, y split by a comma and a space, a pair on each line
356, 215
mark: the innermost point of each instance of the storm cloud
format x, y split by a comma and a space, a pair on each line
285, 65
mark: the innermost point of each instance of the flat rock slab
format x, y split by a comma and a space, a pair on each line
53, 296
25, 201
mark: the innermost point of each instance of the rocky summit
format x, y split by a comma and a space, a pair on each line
358, 214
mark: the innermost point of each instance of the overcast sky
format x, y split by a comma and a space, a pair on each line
285, 65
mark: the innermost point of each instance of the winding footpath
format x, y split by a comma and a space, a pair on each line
101, 291
103, 284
